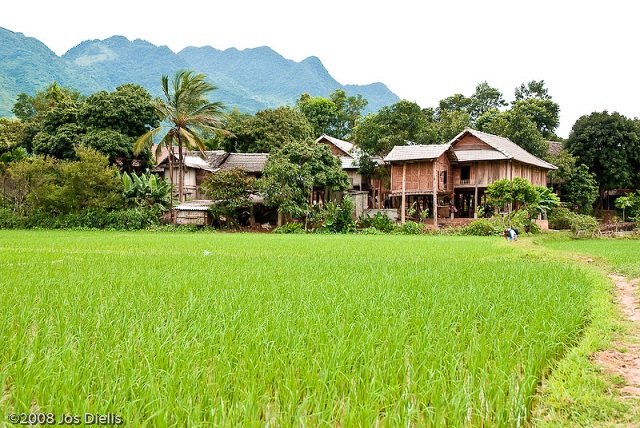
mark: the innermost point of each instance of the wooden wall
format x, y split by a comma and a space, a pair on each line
486, 172
334, 149
470, 142
419, 176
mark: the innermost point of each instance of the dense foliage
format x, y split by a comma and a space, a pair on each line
294, 171
231, 191
83, 193
335, 116
609, 145
267, 131
56, 121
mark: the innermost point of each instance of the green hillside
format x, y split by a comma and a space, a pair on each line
249, 79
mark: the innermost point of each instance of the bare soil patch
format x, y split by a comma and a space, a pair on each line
623, 359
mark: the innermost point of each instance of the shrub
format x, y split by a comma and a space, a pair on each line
411, 228
371, 231
561, 218
90, 218
380, 222
482, 227
333, 217
10, 219
338, 217
289, 228
584, 225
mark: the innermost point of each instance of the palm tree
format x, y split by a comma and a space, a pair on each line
187, 114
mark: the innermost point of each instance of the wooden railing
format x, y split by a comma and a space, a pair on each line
461, 182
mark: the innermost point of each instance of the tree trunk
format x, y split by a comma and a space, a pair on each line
181, 171
170, 159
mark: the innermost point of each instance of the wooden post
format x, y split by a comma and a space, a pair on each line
475, 192
403, 212
435, 192
252, 216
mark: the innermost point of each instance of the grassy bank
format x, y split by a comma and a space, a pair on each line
578, 392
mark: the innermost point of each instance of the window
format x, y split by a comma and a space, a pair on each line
443, 180
465, 174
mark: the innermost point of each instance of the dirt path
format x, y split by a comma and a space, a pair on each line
623, 358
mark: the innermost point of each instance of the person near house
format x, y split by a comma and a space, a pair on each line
452, 210
510, 234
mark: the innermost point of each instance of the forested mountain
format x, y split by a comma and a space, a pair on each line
250, 79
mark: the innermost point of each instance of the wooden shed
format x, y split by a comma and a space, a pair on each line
193, 212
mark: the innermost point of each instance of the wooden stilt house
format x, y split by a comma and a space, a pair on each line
450, 179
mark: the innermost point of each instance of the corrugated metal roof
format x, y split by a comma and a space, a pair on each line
197, 205
478, 155
197, 162
204, 204
348, 162
416, 152
507, 147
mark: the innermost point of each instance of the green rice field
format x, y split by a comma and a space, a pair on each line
210, 329
622, 255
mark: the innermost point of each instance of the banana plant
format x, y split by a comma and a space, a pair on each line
146, 189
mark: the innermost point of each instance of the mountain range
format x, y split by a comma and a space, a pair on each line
250, 79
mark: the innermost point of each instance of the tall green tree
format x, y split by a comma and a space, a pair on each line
484, 99
267, 131
322, 114
533, 100
517, 127
451, 123
580, 190
231, 189
395, 125
349, 112
609, 145
335, 116
456, 102
128, 110
114, 120
28, 107
292, 172
188, 113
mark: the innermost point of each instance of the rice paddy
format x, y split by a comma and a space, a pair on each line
623, 255
207, 329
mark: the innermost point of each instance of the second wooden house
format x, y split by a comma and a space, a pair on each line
450, 179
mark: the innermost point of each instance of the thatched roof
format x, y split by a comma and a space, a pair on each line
215, 158
250, 162
555, 147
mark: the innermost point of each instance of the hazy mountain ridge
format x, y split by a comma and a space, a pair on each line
250, 79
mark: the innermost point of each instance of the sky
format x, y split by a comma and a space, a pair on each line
585, 51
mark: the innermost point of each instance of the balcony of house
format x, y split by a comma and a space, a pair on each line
464, 176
